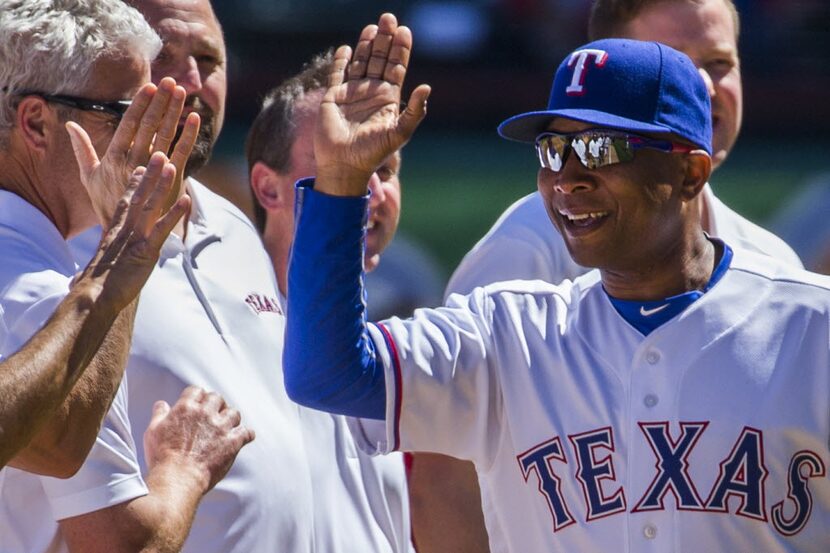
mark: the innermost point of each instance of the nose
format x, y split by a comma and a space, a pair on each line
188, 75
572, 178
707, 79
378, 196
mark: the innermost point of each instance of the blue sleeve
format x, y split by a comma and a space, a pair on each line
329, 358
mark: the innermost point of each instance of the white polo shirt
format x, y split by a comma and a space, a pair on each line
211, 315
36, 267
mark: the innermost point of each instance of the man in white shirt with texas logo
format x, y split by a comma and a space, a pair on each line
675, 400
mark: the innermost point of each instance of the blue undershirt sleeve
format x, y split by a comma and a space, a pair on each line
329, 358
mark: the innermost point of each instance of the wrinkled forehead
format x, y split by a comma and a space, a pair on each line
117, 78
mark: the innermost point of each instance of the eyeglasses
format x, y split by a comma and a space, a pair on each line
597, 148
116, 108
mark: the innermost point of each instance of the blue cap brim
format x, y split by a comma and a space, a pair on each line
525, 127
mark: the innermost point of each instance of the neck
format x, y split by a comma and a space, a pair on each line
680, 270
703, 211
23, 177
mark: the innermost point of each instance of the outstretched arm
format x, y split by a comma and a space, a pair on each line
35, 381
329, 357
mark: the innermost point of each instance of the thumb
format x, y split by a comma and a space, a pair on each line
416, 110
85, 153
160, 410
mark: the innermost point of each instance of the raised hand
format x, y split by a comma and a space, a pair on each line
140, 223
200, 435
149, 125
360, 123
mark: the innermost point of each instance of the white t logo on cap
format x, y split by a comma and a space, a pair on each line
579, 59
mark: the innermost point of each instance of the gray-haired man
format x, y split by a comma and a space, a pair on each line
82, 61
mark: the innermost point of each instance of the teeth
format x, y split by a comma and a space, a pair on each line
583, 216
371, 224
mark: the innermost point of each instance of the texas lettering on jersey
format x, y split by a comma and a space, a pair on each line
741, 474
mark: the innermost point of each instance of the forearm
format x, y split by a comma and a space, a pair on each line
37, 378
329, 358
86, 344
158, 522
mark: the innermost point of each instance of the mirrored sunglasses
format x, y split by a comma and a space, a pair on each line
597, 148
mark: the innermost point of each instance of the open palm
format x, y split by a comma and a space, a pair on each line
148, 126
360, 122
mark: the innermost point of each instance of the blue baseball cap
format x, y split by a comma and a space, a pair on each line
628, 85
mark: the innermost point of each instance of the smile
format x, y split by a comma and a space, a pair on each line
583, 220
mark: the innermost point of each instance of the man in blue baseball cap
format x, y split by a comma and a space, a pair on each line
615, 101
674, 400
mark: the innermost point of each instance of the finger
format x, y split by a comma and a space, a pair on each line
164, 226
416, 110
398, 59
192, 393
156, 203
136, 220
214, 401
150, 121
170, 121
124, 134
233, 415
149, 178
387, 26
338, 66
184, 146
85, 153
112, 239
119, 216
160, 410
362, 52
243, 434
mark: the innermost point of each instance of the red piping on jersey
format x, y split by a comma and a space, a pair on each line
396, 364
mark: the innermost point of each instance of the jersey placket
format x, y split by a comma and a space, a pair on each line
651, 397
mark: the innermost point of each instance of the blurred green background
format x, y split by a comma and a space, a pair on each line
489, 59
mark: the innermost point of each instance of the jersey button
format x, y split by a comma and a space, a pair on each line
650, 531
652, 357
650, 400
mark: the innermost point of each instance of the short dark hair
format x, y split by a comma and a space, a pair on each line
272, 133
609, 16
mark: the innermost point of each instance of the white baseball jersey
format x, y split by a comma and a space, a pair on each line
709, 434
35, 272
211, 315
524, 244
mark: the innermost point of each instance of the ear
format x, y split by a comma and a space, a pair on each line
31, 120
270, 188
698, 169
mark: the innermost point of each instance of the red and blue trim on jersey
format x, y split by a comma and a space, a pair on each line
396, 367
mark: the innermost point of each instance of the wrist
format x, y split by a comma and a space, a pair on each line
179, 472
342, 180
